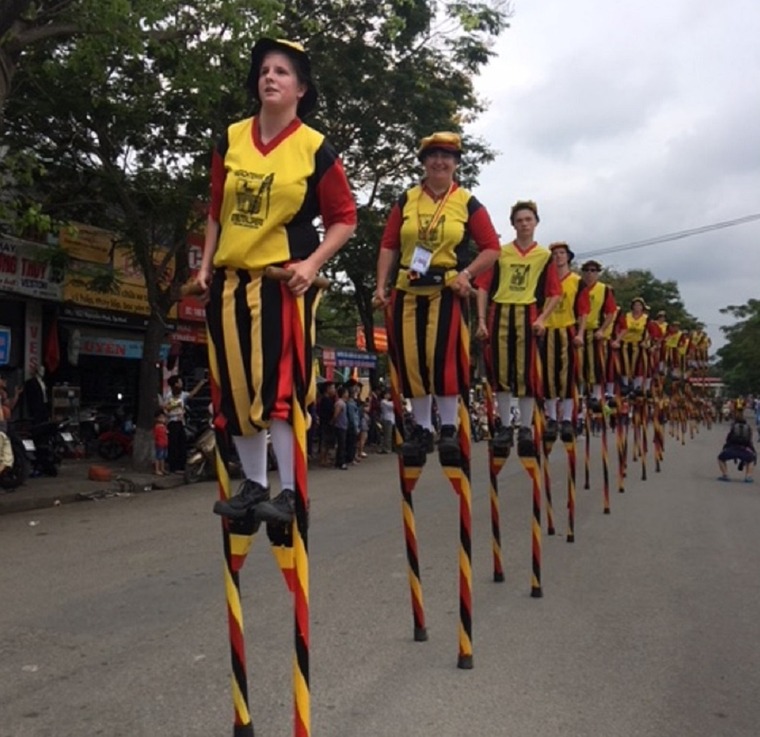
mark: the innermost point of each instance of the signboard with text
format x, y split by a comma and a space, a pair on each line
25, 270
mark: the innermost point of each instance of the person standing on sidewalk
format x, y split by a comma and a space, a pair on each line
515, 299
161, 443
340, 425
354, 418
272, 177
387, 420
175, 406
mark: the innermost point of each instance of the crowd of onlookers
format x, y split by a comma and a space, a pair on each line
348, 422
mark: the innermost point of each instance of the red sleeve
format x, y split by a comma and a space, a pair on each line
484, 279
621, 324
583, 305
336, 203
553, 287
654, 330
483, 232
392, 234
218, 175
610, 306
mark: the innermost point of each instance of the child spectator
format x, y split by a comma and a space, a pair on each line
161, 442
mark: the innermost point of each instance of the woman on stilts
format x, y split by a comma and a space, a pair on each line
271, 176
427, 235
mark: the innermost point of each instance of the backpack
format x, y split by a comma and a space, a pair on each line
740, 434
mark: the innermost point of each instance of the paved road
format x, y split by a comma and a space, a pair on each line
112, 618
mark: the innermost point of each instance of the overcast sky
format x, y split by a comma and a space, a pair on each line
630, 121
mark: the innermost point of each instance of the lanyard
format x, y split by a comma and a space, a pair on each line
424, 233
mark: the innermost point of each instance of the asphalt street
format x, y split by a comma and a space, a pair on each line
113, 618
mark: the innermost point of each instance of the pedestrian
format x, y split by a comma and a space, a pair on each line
354, 418
161, 443
515, 298
387, 419
174, 405
427, 234
8, 480
739, 448
272, 176
340, 427
8, 402
633, 339
325, 410
364, 423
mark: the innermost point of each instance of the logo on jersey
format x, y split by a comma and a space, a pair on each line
252, 198
518, 277
431, 238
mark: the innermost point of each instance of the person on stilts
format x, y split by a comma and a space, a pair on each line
515, 299
427, 235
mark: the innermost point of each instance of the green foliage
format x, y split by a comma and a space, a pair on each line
390, 73
739, 358
658, 295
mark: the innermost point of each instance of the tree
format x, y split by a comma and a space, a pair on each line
739, 358
659, 295
120, 114
121, 122
389, 74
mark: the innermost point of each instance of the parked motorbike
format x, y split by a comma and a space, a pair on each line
18, 473
44, 448
201, 460
113, 444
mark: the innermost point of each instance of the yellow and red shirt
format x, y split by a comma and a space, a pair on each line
267, 196
442, 224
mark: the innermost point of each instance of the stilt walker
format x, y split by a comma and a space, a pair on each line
560, 349
515, 299
428, 335
597, 359
272, 178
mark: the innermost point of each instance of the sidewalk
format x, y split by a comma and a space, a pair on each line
72, 485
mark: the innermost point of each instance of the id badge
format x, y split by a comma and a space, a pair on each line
421, 259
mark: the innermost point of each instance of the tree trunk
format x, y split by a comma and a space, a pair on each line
147, 402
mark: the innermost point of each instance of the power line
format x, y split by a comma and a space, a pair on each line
678, 235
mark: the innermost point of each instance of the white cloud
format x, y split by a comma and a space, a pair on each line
629, 122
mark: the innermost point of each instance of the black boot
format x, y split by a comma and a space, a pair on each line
448, 446
250, 495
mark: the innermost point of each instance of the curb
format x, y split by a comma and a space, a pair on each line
25, 499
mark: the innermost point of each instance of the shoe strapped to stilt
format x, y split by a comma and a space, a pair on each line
502, 442
566, 431
448, 446
594, 405
550, 431
248, 497
526, 447
280, 510
416, 447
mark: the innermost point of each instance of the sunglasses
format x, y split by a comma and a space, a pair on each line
595, 270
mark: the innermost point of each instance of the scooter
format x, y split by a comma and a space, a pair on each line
201, 460
18, 473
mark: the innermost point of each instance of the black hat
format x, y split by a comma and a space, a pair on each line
301, 59
562, 244
591, 264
